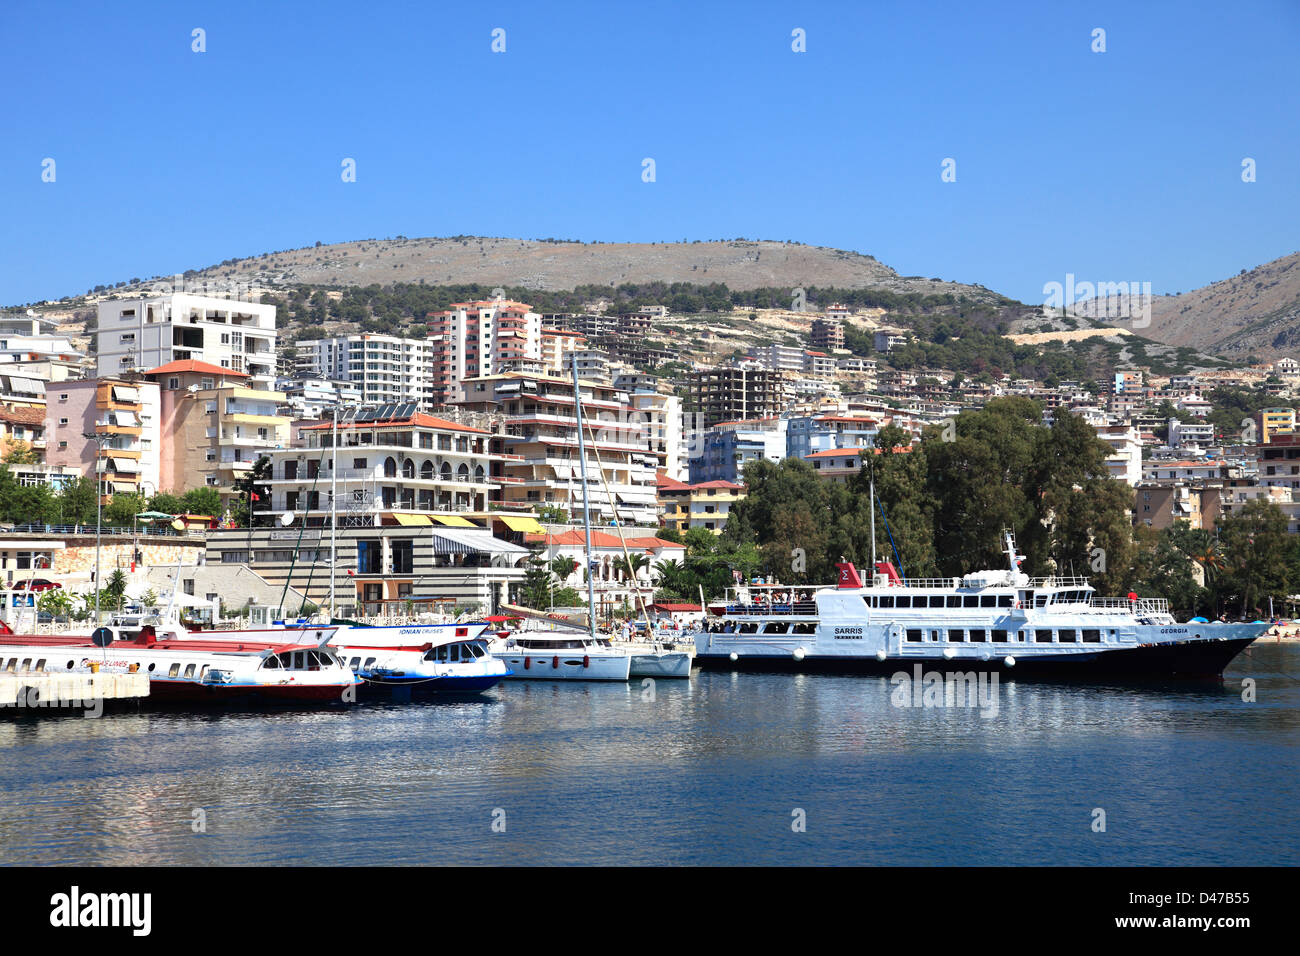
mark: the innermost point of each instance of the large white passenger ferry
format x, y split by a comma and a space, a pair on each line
990, 620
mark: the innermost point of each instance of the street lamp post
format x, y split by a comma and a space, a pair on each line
99, 509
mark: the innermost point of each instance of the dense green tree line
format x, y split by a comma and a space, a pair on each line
75, 503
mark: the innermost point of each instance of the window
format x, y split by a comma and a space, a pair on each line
1091, 636
173, 383
977, 636
999, 637
970, 600
175, 669
1067, 636
1042, 637
63, 421
886, 602
403, 557
234, 557
956, 635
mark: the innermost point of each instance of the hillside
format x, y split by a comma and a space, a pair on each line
553, 265
1256, 312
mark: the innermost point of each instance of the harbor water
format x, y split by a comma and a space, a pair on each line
723, 769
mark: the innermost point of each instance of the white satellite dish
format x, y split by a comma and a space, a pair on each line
194, 388
286, 519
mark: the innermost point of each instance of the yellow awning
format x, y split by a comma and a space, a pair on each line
526, 523
454, 521
409, 520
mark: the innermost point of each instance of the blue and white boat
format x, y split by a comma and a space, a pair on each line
1005, 621
421, 659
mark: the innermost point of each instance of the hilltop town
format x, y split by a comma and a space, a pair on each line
212, 416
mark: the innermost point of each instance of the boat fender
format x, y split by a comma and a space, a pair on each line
555, 661
528, 662
799, 653
1009, 661
949, 653
586, 660
735, 656
881, 655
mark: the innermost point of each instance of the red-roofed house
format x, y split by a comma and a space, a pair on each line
611, 582
702, 505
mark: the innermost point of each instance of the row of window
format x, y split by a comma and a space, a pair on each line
893, 602
982, 636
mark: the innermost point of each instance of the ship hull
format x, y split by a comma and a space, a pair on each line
1203, 659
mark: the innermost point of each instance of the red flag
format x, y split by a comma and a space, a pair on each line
253, 495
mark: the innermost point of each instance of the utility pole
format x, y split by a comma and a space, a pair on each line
99, 510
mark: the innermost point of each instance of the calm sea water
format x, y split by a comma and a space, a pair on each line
707, 772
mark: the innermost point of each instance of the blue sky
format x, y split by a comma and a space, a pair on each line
1115, 166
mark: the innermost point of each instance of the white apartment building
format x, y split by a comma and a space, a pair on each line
145, 333
1125, 460
405, 471
781, 358
316, 397
662, 431
1193, 435
385, 369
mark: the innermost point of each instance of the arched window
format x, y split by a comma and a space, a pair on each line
478, 473
462, 473
426, 471
390, 468
408, 469
445, 473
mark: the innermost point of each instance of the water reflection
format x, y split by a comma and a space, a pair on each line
703, 771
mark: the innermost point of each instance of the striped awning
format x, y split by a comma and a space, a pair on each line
472, 541
127, 466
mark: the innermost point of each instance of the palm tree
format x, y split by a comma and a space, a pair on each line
673, 578
563, 567
629, 566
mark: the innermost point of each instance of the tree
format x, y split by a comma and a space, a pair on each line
535, 590
115, 590
167, 503
563, 566
631, 565
200, 501
122, 509
76, 503
253, 488
1255, 549
18, 452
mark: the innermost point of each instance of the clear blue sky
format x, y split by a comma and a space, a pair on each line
1115, 166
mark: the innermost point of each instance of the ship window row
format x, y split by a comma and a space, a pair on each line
891, 601
455, 653
26, 665
957, 635
299, 661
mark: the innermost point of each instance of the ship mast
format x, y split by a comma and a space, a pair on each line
586, 510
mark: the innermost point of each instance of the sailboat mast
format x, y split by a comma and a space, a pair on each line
586, 510
334, 504
873, 526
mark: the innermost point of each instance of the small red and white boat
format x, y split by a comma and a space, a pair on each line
193, 670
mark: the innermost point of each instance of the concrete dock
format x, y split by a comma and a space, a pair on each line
40, 690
